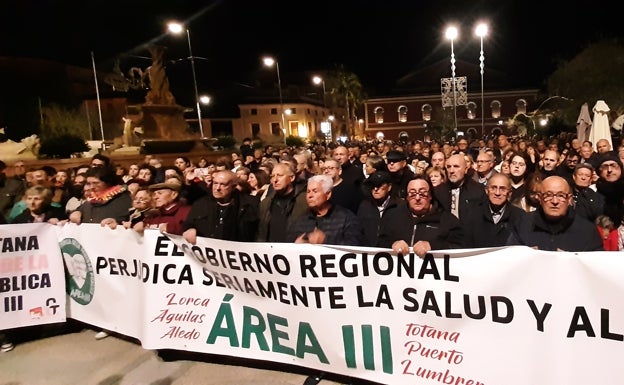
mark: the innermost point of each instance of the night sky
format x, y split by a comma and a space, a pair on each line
380, 41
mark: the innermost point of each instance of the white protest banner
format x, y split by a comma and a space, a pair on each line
495, 316
32, 281
105, 269
500, 316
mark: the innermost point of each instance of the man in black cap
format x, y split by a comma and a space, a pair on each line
399, 172
376, 203
611, 185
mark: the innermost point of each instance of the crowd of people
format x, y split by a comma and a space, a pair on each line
560, 194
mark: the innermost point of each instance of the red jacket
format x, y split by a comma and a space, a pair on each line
174, 216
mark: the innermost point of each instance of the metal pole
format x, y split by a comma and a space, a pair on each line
482, 65
199, 117
454, 88
97, 92
279, 85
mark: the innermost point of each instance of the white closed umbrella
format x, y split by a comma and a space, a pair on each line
600, 125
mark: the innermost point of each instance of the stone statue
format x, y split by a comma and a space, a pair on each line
159, 93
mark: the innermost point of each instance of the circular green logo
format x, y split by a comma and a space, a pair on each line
78, 271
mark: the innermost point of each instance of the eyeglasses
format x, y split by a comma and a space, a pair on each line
419, 193
605, 166
483, 161
502, 189
548, 196
329, 168
520, 164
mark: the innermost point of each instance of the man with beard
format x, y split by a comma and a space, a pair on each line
460, 192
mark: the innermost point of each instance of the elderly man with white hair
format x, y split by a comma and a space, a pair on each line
325, 223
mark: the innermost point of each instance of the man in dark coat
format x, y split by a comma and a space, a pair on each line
490, 223
376, 204
587, 202
419, 223
460, 192
225, 214
554, 226
399, 171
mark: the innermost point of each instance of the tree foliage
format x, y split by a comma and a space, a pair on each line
347, 92
594, 74
58, 120
62, 146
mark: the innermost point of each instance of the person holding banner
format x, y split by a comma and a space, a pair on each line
325, 222
107, 199
554, 226
420, 223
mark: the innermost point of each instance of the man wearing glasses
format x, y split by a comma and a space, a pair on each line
490, 223
554, 226
419, 225
611, 185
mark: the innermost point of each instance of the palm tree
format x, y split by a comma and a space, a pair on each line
347, 92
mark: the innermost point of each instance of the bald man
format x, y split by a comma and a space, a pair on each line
460, 192
554, 226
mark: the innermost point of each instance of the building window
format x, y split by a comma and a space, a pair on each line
308, 111
275, 129
254, 111
426, 112
379, 112
402, 114
495, 106
521, 105
273, 111
255, 130
293, 111
471, 110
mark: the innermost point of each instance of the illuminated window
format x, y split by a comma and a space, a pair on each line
379, 115
402, 114
471, 110
495, 106
426, 112
521, 106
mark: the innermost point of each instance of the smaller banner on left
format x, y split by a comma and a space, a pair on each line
32, 278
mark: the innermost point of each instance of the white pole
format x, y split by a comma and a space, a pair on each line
97, 92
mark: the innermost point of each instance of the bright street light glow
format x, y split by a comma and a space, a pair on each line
268, 61
175, 27
317, 80
481, 30
204, 99
451, 33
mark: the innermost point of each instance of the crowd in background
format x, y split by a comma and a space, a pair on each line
552, 194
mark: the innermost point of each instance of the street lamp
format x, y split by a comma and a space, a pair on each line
451, 34
481, 31
269, 61
319, 80
177, 28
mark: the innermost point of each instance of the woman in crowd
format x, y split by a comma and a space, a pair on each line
436, 175
259, 181
39, 207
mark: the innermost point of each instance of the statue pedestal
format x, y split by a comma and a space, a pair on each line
162, 121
